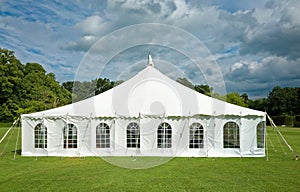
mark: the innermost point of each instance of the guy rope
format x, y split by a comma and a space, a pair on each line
284, 140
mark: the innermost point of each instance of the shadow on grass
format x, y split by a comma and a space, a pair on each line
17, 151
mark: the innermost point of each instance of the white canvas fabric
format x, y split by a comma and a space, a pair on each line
149, 99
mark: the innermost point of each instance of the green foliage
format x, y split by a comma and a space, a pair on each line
245, 98
283, 120
218, 96
11, 74
8, 111
3, 125
185, 82
236, 99
86, 89
283, 101
280, 101
259, 104
204, 89
27, 88
40, 91
103, 85
297, 121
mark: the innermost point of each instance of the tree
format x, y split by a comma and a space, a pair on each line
40, 91
83, 90
86, 89
236, 99
27, 88
68, 85
245, 98
259, 104
11, 74
103, 85
185, 82
204, 89
297, 110
283, 101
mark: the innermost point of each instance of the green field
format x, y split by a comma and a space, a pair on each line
279, 173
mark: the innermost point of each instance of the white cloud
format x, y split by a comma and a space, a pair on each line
93, 25
277, 31
271, 71
248, 38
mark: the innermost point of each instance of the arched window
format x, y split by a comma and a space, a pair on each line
164, 136
70, 136
196, 136
231, 135
260, 134
133, 135
102, 136
40, 136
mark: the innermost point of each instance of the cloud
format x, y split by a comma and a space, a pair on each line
247, 38
234, 6
277, 31
84, 44
93, 25
271, 71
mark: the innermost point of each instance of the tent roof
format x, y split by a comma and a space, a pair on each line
149, 92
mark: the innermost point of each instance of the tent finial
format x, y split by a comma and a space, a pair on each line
150, 62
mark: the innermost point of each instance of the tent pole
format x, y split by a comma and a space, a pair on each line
266, 143
284, 140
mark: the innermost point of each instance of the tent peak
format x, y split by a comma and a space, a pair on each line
150, 62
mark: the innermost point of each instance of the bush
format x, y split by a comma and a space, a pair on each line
297, 121
283, 120
5, 124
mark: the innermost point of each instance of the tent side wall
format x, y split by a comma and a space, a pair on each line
86, 136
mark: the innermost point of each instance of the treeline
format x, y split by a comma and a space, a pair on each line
26, 88
281, 101
86, 89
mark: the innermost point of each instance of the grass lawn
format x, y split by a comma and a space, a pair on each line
279, 173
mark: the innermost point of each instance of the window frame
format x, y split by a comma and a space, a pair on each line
231, 140
102, 135
164, 136
133, 137
260, 134
196, 136
40, 136
70, 134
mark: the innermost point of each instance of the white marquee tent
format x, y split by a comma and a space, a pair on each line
148, 115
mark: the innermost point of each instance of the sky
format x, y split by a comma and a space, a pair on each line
243, 46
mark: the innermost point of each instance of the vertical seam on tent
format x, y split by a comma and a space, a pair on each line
112, 136
188, 140
138, 140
